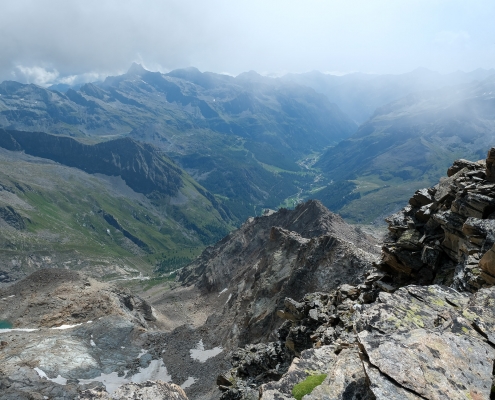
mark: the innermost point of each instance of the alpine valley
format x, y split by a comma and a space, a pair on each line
194, 235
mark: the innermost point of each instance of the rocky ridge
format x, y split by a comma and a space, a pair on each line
419, 326
287, 253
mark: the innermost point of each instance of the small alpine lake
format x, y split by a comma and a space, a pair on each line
4, 324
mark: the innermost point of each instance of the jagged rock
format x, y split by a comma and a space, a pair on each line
422, 342
285, 254
421, 198
445, 231
487, 262
148, 390
252, 366
415, 341
459, 165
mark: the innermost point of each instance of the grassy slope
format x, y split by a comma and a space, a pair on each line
62, 207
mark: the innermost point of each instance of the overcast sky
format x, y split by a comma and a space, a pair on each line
46, 41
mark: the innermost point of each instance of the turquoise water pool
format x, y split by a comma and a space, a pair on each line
5, 324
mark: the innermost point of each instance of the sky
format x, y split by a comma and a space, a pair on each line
73, 41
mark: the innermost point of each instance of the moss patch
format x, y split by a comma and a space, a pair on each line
306, 386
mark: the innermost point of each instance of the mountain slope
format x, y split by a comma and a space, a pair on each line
116, 209
409, 144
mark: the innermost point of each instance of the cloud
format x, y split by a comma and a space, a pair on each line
38, 75
81, 78
79, 39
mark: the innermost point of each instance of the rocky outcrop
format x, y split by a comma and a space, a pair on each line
319, 321
421, 342
442, 236
12, 217
218, 264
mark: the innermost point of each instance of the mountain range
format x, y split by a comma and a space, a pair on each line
248, 130
117, 203
252, 140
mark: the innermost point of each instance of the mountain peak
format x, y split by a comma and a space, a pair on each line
136, 69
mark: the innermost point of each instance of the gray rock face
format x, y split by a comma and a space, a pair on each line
447, 232
426, 340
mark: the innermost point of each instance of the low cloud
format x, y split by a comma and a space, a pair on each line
37, 75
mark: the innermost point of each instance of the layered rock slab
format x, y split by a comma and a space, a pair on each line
447, 232
421, 342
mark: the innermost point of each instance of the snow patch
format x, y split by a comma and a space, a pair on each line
111, 381
153, 372
59, 379
17, 330
201, 355
143, 352
230, 296
223, 291
66, 326
188, 382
